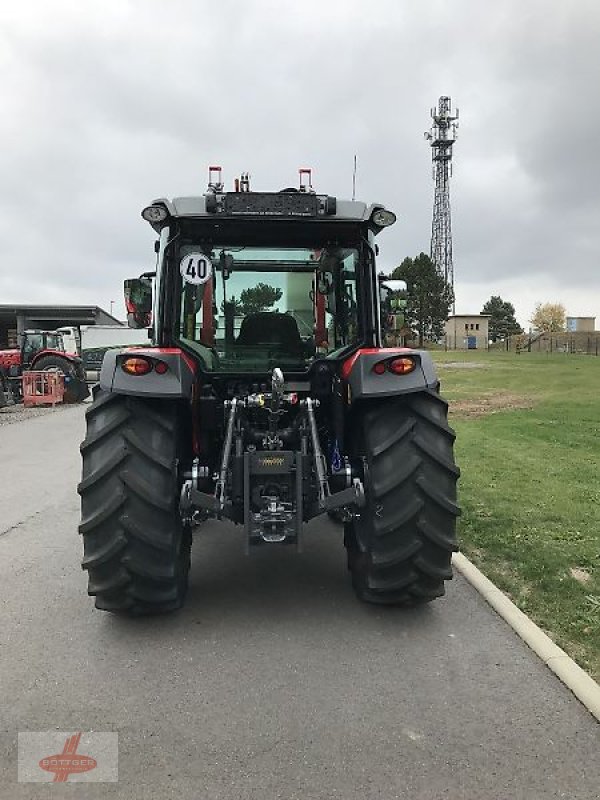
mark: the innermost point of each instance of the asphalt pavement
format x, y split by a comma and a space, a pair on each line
274, 681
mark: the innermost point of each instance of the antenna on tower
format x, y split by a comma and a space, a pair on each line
441, 137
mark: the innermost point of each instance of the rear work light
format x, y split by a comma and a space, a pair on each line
155, 213
399, 366
382, 217
138, 365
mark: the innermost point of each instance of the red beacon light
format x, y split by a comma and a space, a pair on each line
215, 179
305, 174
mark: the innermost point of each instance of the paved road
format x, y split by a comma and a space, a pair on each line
273, 682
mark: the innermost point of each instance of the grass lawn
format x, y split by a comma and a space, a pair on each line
528, 444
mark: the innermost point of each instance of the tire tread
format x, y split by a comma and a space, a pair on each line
400, 548
136, 551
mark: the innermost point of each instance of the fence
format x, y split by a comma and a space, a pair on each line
572, 343
43, 388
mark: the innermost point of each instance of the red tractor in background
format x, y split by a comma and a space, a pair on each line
44, 351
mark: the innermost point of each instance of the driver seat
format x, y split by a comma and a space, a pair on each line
271, 328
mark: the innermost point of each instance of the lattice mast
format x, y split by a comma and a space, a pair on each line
441, 137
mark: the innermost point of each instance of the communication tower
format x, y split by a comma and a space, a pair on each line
441, 137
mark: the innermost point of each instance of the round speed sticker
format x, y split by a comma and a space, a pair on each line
196, 268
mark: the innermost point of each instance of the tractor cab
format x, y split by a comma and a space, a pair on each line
34, 343
250, 281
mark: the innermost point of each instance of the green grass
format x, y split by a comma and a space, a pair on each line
528, 444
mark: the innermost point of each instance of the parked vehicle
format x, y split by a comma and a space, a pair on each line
71, 338
298, 411
44, 350
97, 339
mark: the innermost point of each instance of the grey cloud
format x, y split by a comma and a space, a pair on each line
110, 105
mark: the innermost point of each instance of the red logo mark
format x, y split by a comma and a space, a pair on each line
68, 762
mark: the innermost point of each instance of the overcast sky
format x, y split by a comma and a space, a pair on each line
107, 105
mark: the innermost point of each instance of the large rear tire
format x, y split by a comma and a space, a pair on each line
76, 389
136, 549
400, 548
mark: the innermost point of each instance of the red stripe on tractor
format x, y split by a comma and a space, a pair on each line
320, 324
350, 362
207, 334
370, 351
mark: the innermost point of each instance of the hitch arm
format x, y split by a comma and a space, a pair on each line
320, 463
222, 479
353, 495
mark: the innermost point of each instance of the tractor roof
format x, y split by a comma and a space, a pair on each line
196, 206
266, 206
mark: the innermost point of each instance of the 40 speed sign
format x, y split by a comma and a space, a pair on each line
196, 268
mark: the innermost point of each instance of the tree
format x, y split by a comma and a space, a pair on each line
502, 318
549, 317
428, 298
257, 298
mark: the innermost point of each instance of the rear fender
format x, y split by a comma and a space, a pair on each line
363, 383
176, 382
59, 353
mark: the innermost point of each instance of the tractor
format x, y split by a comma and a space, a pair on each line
266, 398
44, 351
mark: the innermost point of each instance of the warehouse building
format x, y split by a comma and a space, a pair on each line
14, 319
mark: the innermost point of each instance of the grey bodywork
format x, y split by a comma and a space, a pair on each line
178, 380
175, 383
364, 383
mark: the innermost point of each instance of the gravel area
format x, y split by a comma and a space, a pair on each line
18, 413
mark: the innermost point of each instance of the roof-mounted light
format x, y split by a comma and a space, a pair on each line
382, 217
154, 214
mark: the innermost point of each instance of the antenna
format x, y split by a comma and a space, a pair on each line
441, 137
354, 179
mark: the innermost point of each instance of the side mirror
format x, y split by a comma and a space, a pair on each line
392, 297
138, 302
391, 289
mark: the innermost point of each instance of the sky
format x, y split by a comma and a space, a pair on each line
108, 105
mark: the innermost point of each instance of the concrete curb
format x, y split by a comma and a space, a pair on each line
576, 679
